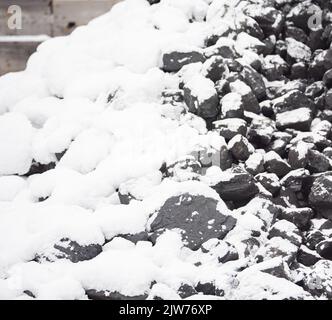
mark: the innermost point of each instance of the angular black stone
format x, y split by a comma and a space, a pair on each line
315, 89
327, 79
293, 100
269, 19
290, 232
71, 250
214, 68
209, 108
313, 238
261, 131
186, 291
296, 33
294, 179
321, 195
321, 62
324, 249
240, 148
275, 164
307, 257
298, 119
317, 162
274, 67
174, 61
197, 216
229, 128
239, 187
255, 81
269, 181
328, 99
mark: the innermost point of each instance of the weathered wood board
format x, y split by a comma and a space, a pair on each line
48, 17
14, 55
37, 17
71, 13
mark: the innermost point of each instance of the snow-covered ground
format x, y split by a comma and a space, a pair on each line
89, 135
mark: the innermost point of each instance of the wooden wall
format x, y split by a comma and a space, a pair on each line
47, 17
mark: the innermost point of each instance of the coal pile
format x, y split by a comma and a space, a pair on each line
186, 154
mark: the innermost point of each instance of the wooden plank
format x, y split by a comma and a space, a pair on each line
50, 17
36, 17
14, 55
69, 14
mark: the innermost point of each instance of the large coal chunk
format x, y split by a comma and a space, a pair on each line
238, 186
255, 81
300, 14
223, 47
232, 106
201, 97
240, 148
175, 60
197, 216
294, 180
328, 99
261, 131
296, 33
315, 90
321, 195
298, 155
293, 100
274, 67
209, 289
307, 257
327, 78
297, 51
313, 238
186, 290
287, 198
325, 249
71, 250
246, 24
255, 163
318, 162
299, 71
269, 19
214, 68
321, 62
286, 230
275, 164
249, 100
298, 119
229, 128
269, 181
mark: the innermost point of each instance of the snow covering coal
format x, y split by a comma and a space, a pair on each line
173, 149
